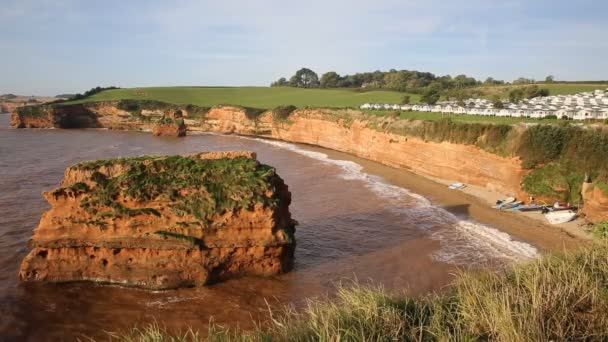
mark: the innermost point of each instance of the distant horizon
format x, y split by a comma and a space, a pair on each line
69, 46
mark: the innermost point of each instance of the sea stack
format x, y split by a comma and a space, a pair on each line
162, 222
170, 127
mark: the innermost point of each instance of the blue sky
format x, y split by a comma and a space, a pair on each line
59, 46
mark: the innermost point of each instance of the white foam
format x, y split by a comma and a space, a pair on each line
462, 241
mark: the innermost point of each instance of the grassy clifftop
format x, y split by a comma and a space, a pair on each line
256, 97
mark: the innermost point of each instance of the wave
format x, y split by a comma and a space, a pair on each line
463, 242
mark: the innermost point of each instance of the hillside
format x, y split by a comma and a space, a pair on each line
554, 88
271, 97
257, 97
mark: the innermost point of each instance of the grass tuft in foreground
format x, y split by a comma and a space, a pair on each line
557, 297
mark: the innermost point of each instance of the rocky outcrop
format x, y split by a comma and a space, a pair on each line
353, 133
120, 115
9, 107
164, 222
47, 116
596, 203
170, 128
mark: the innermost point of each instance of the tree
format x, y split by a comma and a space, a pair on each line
432, 93
523, 80
462, 81
304, 78
534, 91
281, 82
405, 100
330, 79
497, 102
516, 95
550, 79
492, 81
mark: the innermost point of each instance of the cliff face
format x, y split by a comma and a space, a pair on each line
164, 222
460, 162
111, 115
596, 203
170, 127
44, 116
169, 130
9, 107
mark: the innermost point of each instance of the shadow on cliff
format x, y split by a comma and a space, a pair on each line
76, 116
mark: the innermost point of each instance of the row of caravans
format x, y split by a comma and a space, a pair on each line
572, 113
582, 106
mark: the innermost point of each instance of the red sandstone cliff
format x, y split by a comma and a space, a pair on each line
92, 115
170, 128
127, 222
353, 134
342, 130
596, 203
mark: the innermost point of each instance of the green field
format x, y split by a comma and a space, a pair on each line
256, 97
267, 98
554, 88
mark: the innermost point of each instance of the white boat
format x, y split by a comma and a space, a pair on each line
508, 200
457, 186
506, 203
562, 216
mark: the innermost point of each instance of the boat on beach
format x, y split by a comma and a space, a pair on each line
507, 203
457, 186
560, 216
528, 207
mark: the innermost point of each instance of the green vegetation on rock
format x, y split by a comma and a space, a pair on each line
32, 111
192, 186
554, 298
281, 113
488, 137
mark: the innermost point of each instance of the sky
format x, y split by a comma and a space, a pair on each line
51, 47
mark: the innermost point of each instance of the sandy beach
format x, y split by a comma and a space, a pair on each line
476, 203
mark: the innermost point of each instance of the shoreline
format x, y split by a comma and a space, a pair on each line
472, 203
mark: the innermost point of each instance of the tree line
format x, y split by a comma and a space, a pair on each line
430, 86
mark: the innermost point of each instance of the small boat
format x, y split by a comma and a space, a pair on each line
457, 186
510, 205
507, 203
528, 207
561, 216
508, 200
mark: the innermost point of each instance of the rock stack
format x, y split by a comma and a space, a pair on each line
164, 222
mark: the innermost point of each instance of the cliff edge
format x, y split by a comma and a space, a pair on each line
164, 222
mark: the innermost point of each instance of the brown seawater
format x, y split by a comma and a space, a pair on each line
353, 225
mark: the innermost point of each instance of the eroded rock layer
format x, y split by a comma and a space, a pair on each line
164, 222
596, 203
356, 134
469, 154
170, 129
